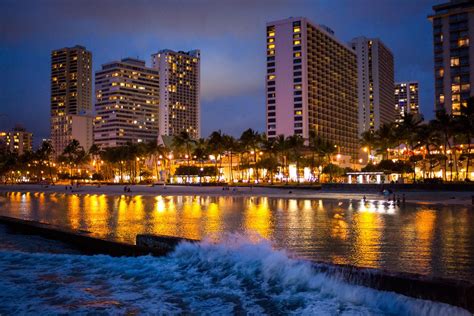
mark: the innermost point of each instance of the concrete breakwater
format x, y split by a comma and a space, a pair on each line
458, 293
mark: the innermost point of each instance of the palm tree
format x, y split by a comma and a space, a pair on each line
443, 123
216, 147
427, 137
281, 148
251, 141
230, 146
369, 140
74, 155
296, 146
45, 152
183, 141
465, 129
405, 132
385, 138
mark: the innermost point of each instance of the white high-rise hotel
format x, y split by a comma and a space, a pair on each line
71, 97
179, 91
374, 82
127, 97
311, 84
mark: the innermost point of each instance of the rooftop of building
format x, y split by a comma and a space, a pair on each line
192, 53
321, 27
79, 47
453, 6
128, 62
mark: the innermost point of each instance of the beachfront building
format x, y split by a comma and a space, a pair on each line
311, 84
406, 99
71, 97
127, 100
180, 106
374, 83
17, 140
453, 39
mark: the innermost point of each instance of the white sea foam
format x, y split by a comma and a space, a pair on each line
235, 276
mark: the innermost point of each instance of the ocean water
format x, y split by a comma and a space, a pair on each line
430, 240
235, 276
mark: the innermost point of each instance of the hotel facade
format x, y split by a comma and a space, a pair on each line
71, 97
311, 84
127, 103
453, 35
406, 99
180, 106
375, 83
18, 140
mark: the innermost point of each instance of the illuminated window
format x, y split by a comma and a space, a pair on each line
297, 35
463, 42
456, 107
454, 61
271, 77
296, 29
455, 98
271, 46
271, 33
440, 72
297, 87
465, 87
271, 52
297, 42
455, 88
271, 40
299, 112
297, 54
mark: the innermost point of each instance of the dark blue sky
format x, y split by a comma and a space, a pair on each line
230, 35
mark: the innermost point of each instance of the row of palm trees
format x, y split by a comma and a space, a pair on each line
251, 151
443, 143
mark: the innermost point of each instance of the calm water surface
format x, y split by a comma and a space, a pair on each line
430, 240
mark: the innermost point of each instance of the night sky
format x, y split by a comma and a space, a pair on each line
230, 35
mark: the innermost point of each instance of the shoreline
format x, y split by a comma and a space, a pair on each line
445, 198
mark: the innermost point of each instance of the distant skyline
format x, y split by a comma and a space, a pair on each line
230, 35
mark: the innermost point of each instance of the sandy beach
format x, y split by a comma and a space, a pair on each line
419, 197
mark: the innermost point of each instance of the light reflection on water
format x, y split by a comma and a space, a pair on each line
421, 239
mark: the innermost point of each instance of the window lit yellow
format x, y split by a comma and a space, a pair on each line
271, 77
454, 61
296, 29
271, 46
297, 42
271, 33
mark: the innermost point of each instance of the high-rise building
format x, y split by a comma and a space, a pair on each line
374, 82
179, 91
71, 96
311, 84
127, 100
18, 140
406, 99
453, 35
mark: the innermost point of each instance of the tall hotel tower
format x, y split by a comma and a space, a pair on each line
71, 97
179, 91
311, 84
127, 100
453, 35
375, 83
406, 99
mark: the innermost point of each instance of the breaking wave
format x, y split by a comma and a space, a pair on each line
237, 276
